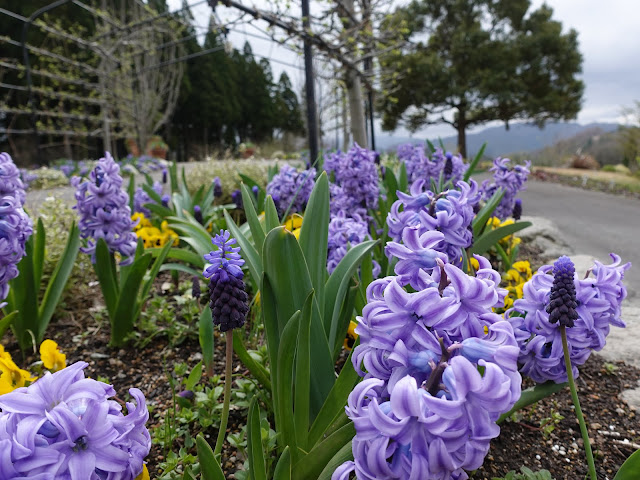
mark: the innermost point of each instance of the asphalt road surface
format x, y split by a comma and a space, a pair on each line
592, 223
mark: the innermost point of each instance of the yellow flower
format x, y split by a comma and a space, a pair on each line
524, 267
51, 357
11, 376
293, 221
142, 221
3, 354
352, 336
144, 475
474, 264
293, 224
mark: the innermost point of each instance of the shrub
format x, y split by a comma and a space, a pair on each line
584, 162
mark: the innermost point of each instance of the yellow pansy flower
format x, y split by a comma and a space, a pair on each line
352, 336
12, 377
51, 357
143, 221
293, 224
144, 475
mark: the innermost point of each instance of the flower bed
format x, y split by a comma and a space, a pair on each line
448, 329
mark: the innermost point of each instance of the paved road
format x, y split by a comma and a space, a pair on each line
592, 223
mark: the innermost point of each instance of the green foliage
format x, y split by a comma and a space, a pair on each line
228, 170
484, 60
34, 311
301, 302
630, 469
125, 292
47, 178
526, 474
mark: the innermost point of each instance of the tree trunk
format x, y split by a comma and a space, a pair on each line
345, 122
354, 95
461, 125
356, 109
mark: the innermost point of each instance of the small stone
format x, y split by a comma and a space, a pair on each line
98, 356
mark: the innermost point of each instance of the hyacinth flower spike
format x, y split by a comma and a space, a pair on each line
228, 302
562, 310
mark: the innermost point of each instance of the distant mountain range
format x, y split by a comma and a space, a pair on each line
520, 138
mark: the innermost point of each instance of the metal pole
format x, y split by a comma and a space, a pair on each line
27, 66
312, 120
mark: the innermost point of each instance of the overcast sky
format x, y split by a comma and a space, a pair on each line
609, 40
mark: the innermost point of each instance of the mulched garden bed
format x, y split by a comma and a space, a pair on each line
612, 424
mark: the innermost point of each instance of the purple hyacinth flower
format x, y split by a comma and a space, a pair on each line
65, 426
511, 180
598, 301
290, 189
104, 211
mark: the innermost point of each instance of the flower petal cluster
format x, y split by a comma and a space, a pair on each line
439, 368
11, 183
356, 173
422, 167
64, 426
51, 357
153, 236
11, 376
228, 296
449, 212
141, 198
104, 210
598, 296
511, 179
15, 225
344, 233
291, 189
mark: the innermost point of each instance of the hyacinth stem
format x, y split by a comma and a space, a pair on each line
576, 403
227, 393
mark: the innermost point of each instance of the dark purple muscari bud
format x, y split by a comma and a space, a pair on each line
217, 187
448, 166
164, 175
562, 298
165, 200
188, 394
383, 171
228, 302
517, 210
236, 197
376, 158
197, 214
195, 287
255, 190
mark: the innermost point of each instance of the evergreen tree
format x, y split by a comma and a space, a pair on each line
483, 60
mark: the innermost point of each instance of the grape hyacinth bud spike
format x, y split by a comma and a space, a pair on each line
236, 197
164, 175
517, 210
228, 298
195, 287
217, 187
562, 298
197, 214
448, 166
165, 200
255, 190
